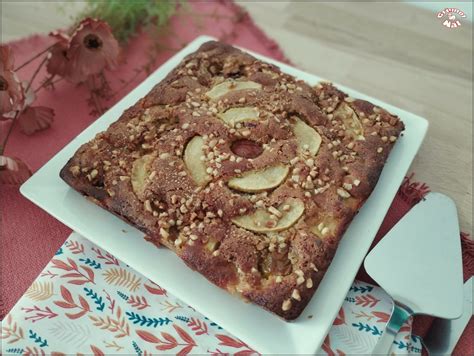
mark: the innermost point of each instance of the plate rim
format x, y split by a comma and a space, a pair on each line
94, 127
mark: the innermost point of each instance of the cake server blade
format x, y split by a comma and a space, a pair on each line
419, 264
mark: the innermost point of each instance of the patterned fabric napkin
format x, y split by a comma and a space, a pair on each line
87, 301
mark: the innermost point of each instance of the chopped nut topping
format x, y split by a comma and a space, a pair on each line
246, 133
147, 206
75, 170
164, 233
343, 193
94, 173
286, 305
347, 186
379, 150
299, 273
309, 283
296, 295
299, 280
356, 182
294, 160
393, 138
275, 212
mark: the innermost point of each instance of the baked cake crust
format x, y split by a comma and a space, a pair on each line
248, 174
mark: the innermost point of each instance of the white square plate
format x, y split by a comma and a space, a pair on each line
260, 329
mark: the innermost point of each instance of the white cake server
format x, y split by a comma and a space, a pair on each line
419, 264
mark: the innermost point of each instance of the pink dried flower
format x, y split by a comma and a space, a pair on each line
11, 92
35, 118
58, 63
13, 170
93, 48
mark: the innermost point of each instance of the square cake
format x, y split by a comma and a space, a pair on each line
249, 175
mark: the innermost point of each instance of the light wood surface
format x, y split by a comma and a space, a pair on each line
396, 52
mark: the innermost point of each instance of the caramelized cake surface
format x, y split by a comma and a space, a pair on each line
248, 174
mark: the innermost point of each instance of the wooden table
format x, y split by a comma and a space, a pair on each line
396, 52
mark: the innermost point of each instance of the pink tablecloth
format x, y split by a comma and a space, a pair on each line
29, 237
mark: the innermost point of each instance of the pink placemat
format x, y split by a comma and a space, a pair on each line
29, 237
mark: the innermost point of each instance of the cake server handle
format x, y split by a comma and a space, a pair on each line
400, 314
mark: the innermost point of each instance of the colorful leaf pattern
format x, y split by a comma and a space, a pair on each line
169, 342
69, 303
122, 278
138, 302
75, 247
39, 314
116, 324
71, 266
40, 290
88, 302
154, 288
11, 333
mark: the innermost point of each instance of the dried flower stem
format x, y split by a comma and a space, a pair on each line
33, 58
93, 90
48, 82
36, 73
